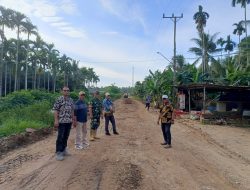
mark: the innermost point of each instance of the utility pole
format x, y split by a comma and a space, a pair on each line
175, 19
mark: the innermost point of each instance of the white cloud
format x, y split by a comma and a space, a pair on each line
60, 24
48, 12
52, 19
126, 11
69, 7
44, 9
73, 33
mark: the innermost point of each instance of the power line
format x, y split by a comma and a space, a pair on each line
153, 60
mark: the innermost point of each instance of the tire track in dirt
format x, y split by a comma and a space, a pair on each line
203, 135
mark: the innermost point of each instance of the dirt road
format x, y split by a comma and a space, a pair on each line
202, 158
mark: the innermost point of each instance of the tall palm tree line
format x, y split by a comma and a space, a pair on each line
25, 63
5, 20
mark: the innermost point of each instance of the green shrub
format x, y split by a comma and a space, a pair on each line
43, 95
15, 126
15, 120
24, 98
16, 99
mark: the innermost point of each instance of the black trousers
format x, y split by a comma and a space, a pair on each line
165, 127
110, 118
62, 136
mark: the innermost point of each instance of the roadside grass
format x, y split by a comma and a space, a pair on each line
32, 109
15, 126
16, 120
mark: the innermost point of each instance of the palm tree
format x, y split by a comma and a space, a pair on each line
243, 4
50, 49
37, 48
5, 20
54, 60
65, 67
30, 29
220, 42
201, 19
229, 45
19, 19
205, 49
239, 29
180, 62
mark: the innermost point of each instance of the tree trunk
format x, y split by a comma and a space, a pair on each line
64, 78
17, 49
48, 81
239, 49
54, 87
67, 80
34, 76
10, 85
1, 71
48, 72
44, 78
5, 79
203, 61
39, 80
1, 65
246, 17
54, 81
26, 64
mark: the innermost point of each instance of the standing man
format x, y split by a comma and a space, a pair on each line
63, 114
166, 119
81, 109
108, 107
95, 111
148, 100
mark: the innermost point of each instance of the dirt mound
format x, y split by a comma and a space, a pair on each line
16, 141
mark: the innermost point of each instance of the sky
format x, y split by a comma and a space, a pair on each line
115, 36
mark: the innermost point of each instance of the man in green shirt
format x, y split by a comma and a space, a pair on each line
95, 111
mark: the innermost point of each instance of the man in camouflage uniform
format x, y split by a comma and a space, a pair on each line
166, 119
95, 111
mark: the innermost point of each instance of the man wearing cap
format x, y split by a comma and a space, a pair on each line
166, 119
64, 115
95, 111
81, 109
108, 107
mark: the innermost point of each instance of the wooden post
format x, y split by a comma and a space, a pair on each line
204, 99
189, 100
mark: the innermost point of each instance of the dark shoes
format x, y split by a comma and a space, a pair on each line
115, 133
168, 146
